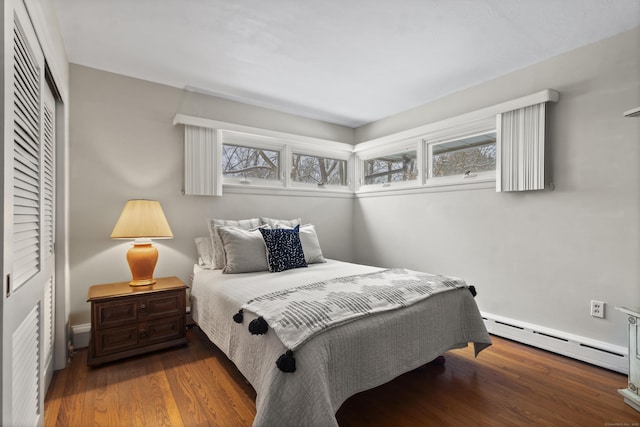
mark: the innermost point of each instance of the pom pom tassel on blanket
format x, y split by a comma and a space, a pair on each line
286, 362
258, 326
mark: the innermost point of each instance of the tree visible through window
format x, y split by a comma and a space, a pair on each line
318, 170
473, 154
250, 162
391, 168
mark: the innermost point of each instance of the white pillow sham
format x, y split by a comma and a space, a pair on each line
205, 252
218, 250
274, 223
244, 250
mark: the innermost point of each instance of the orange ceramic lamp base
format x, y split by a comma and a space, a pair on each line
142, 258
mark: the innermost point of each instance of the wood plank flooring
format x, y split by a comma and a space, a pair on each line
509, 384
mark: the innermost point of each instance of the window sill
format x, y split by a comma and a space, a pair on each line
378, 191
477, 184
283, 191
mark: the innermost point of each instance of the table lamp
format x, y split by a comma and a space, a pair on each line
142, 220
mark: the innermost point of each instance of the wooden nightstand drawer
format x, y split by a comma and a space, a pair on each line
115, 313
162, 305
162, 330
115, 340
126, 320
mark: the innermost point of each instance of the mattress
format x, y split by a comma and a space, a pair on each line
339, 362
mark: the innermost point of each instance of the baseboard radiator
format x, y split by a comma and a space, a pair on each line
80, 335
595, 352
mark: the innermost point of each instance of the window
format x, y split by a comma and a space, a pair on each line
250, 162
280, 161
391, 168
442, 158
318, 170
464, 156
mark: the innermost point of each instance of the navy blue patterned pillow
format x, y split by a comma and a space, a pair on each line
284, 250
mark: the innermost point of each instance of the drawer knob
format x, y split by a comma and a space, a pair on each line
143, 306
143, 334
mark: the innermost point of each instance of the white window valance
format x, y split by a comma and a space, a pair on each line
201, 154
521, 149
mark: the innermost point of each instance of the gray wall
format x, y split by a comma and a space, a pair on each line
123, 145
537, 257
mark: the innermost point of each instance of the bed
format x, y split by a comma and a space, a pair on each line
338, 362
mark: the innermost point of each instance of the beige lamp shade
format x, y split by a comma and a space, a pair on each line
142, 220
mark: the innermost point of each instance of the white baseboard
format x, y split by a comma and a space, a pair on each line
595, 352
81, 335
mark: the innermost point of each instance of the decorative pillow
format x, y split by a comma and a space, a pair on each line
284, 250
273, 223
310, 244
216, 243
244, 250
205, 252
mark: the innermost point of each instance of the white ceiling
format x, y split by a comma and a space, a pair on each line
348, 62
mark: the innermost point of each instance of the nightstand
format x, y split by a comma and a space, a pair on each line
128, 320
632, 392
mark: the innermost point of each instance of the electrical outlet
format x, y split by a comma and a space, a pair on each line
597, 308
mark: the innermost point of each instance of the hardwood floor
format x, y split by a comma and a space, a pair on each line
509, 384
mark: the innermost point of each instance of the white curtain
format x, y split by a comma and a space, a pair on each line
201, 154
521, 149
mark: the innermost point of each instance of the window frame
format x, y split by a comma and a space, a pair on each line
329, 154
286, 145
256, 142
430, 142
423, 145
410, 145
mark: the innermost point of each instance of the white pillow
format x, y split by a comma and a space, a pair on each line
273, 223
310, 244
244, 250
205, 252
216, 243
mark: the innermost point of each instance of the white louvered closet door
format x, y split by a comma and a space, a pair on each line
28, 232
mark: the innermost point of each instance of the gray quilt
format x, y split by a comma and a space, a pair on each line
299, 313
339, 362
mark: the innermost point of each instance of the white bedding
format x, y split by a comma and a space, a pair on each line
339, 362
